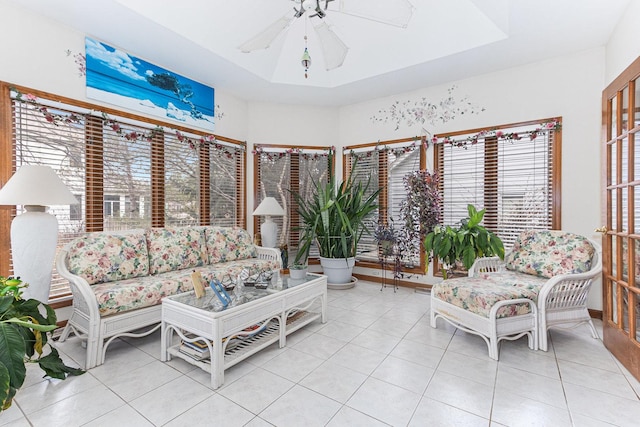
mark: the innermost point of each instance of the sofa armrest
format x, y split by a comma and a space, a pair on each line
271, 254
486, 265
83, 297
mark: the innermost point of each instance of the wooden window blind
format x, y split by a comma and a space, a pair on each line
515, 180
126, 171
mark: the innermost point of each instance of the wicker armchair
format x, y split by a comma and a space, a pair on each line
543, 282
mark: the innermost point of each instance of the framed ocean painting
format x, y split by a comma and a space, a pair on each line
121, 79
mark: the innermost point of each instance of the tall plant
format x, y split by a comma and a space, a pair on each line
334, 216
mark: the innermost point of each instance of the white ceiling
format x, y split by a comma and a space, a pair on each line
445, 40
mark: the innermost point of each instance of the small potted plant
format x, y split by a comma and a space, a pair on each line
386, 238
23, 333
464, 243
300, 267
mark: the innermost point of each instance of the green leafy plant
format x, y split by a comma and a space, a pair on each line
335, 217
464, 243
23, 333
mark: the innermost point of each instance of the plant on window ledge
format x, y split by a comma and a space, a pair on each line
23, 333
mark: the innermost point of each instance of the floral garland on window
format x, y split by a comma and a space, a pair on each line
500, 135
385, 148
120, 130
276, 155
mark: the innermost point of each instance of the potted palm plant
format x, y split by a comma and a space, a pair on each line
23, 333
464, 243
334, 218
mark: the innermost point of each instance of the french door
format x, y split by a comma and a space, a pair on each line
621, 239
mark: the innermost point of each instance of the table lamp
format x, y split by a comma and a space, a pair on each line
34, 233
269, 229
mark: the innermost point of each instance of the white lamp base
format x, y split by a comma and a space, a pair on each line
269, 233
34, 237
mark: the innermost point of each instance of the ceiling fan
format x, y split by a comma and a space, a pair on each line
390, 12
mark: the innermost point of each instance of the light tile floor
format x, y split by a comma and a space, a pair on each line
376, 362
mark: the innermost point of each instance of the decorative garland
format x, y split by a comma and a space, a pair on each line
423, 111
500, 135
385, 148
130, 135
276, 155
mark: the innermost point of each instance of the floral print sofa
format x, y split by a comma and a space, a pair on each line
543, 281
118, 279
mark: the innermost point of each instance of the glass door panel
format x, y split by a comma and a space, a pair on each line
621, 245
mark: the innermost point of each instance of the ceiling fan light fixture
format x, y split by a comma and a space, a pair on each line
306, 59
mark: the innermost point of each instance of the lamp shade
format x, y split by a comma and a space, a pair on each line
269, 206
36, 185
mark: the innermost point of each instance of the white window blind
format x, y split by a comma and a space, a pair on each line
512, 179
282, 170
385, 164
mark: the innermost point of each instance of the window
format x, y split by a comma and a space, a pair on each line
511, 171
126, 171
385, 164
280, 169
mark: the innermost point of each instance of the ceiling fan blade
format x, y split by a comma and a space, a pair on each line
334, 50
391, 12
263, 39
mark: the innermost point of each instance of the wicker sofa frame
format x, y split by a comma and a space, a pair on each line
98, 330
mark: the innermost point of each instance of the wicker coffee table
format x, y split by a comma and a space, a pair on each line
255, 319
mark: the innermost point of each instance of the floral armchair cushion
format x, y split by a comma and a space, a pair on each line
548, 253
103, 257
175, 248
479, 294
229, 244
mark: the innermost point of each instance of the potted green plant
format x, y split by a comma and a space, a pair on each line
464, 243
23, 333
334, 216
299, 268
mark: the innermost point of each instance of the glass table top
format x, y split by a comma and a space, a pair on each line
240, 294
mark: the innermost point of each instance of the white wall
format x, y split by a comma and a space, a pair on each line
33, 54
624, 45
569, 87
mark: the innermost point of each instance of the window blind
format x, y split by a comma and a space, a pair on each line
513, 179
282, 169
386, 163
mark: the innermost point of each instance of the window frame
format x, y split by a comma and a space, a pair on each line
528, 127
291, 150
382, 148
94, 217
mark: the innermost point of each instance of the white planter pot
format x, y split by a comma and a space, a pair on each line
298, 273
338, 271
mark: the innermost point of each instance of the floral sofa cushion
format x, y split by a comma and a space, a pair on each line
228, 244
479, 294
175, 248
549, 253
104, 257
135, 293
